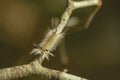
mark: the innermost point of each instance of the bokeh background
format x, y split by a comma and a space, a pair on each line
93, 53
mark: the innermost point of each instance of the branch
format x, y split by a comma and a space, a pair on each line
34, 68
45, 47
85, 22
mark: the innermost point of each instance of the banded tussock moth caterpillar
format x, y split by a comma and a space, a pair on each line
49, 43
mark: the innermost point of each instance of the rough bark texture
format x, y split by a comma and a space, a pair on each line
34, 68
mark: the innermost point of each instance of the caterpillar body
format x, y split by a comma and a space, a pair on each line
49, 43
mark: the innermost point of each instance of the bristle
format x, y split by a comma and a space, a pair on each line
34, 50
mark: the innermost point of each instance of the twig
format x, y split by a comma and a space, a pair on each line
63, 54
34, 68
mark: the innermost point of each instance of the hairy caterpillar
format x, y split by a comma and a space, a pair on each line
49, 43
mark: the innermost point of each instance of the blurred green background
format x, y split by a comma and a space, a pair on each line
93, 53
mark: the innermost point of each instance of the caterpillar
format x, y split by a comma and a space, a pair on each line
49, 43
